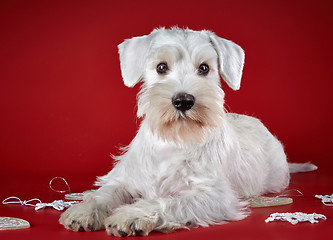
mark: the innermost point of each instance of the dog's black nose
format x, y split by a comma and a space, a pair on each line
183, 101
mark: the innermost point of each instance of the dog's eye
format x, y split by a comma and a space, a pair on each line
162, 68
203, 69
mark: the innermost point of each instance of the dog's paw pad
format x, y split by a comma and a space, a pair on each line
82, 217
126, 223
122, 233
81, 229
125, 231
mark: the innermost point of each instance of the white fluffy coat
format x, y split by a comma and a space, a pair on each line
183, 169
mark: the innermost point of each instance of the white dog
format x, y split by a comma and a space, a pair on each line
191, 163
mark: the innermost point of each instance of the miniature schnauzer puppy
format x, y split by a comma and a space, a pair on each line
191, 163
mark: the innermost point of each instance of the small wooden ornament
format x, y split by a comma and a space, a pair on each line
74, 196
77, 196
9, 223
256, 202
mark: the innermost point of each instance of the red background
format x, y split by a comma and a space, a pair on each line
64, 108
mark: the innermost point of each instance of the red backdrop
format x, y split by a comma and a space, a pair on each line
64, 107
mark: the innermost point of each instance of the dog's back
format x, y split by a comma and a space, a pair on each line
262, 164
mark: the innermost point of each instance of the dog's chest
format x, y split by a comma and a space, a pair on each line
170, 172
167, 158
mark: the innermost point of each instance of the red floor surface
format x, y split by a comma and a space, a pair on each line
64, 107
44, 222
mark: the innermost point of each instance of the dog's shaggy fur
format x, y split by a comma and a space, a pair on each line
191, 163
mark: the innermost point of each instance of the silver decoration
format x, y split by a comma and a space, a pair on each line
57, 204
326, 199
295, 217
69, 195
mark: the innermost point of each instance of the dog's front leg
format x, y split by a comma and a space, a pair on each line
89, 215
169, 214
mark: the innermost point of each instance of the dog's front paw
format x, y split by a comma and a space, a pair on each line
84, 216
130, 221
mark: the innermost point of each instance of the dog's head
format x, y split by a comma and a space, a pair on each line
181, 97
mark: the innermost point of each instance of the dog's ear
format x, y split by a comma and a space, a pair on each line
231, 60
133, 54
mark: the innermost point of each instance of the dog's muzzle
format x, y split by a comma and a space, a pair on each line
183, 101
